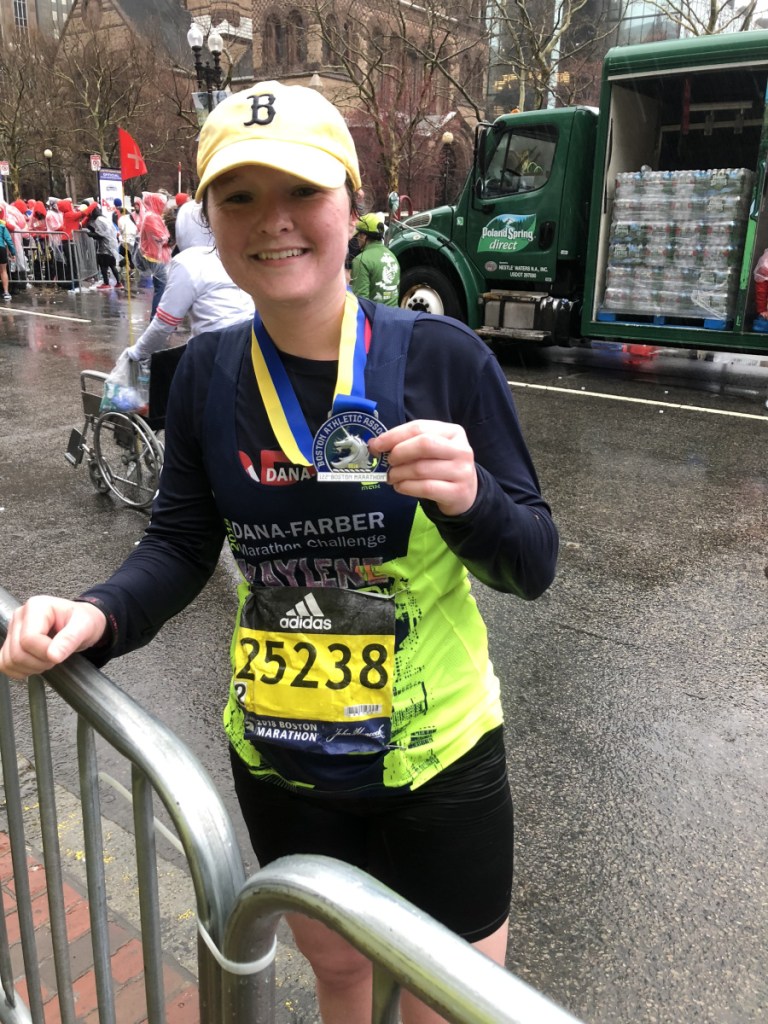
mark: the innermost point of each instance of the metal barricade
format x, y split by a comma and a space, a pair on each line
83, 254
160, 763
50, 259
408, 948
236, 916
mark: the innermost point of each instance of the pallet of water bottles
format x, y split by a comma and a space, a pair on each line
671, 294
675, 247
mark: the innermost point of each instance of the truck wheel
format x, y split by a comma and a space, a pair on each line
427, 290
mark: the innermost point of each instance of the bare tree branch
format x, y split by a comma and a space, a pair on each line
536, 40
397, 70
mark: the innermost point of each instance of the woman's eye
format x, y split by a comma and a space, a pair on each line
236, 198
305, 191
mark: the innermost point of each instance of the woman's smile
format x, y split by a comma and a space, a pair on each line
281, 254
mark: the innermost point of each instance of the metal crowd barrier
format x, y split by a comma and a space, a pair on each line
159, 763
239, 917
408, 948
49, 258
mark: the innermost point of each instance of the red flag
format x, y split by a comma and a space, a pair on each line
131, 161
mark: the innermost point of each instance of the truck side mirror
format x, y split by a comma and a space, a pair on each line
481, 156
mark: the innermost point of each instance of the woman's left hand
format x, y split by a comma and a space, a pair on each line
432, 460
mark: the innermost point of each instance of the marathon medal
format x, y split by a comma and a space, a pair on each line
339, 450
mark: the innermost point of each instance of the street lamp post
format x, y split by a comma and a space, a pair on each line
207, 76
48, 154
447, 141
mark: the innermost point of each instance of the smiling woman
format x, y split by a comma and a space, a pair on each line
277, 171
359, 460
283, 219
284, 242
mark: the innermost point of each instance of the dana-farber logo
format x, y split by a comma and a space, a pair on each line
509, 232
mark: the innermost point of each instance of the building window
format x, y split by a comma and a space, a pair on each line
472, 72
20, 16
274, 42
296, 40
335, 42
91, 12
642, 22
412, 70
330, 34
285, 42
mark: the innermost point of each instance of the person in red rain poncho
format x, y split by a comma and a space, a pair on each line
154, 239
72, 218
72, 221
37, 225
21, 206
44, 252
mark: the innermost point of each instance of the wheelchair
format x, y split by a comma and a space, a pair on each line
121, 449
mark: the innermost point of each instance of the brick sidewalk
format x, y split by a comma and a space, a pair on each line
125, 947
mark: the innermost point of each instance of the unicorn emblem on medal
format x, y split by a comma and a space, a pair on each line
353, 453
341, 452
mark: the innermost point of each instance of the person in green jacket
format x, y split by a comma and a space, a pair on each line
375, 271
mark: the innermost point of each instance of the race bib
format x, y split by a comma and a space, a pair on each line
313, 669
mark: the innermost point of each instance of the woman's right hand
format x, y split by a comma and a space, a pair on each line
45, 631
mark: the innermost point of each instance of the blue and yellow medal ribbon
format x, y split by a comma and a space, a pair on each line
282, 406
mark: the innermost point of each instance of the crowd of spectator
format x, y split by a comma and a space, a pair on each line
44, 243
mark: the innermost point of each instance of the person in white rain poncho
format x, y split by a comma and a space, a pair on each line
198, 286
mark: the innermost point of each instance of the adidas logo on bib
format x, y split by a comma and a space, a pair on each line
307, 614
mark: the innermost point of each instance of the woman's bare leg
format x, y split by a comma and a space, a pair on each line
343, 975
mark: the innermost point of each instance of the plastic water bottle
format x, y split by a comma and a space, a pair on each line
142, 384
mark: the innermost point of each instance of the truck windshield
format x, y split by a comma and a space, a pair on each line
521, 162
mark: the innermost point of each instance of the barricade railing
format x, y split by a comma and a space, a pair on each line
408, 948
50, 258
237, 918
160, 763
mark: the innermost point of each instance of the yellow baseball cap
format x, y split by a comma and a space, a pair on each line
287, 127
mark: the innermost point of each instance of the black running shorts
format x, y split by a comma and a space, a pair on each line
446, 846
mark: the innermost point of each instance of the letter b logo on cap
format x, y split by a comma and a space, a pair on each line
262, 109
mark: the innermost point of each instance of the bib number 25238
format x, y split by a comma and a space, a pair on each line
318, 682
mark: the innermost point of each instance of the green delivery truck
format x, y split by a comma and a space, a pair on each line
641, 222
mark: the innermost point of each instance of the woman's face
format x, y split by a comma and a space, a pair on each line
280, 239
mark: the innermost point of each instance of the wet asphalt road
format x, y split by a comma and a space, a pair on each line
635, 690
